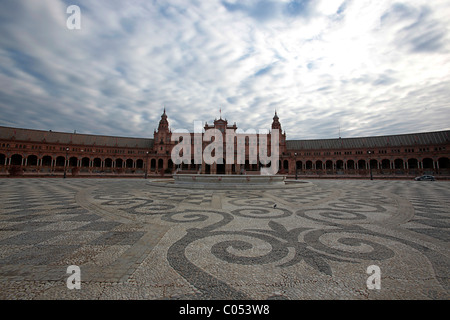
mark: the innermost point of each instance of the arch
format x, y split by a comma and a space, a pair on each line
32, 160
97, 163
385, 164
361, 164
308, 165
286, 165
46, 161
329, 165
351, 164
60, 161
373, 163
299, 165
129, 163
140, 164
108, 163
2, 159
160, 164
339, 165
247, 165
427, 163
119, 163
85, 162
444, 163
398, 164
153, 164
73, 162
261, 165
16, 160
413, 163
221, 167
319, 165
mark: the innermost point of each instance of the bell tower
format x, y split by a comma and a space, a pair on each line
162, 135
163, 123
276, 125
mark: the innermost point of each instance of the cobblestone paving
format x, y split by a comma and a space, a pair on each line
133, 240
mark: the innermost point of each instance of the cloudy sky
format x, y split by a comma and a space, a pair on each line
360, 67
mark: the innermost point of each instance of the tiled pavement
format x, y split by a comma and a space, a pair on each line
133, 240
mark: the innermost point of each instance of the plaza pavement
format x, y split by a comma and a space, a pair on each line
141, 239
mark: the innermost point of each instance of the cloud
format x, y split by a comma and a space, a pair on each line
266, 10
370, 67
421, 32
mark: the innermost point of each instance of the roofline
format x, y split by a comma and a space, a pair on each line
79, 134
296, 140
369, 137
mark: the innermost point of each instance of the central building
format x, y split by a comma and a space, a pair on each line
240, 151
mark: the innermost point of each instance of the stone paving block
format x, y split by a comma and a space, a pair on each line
134, 239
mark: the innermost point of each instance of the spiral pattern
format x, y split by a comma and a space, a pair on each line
262, 213
242, 251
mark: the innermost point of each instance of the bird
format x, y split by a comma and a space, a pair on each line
275, 205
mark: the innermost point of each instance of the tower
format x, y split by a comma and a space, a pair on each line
276, 125
162, 135
163, 123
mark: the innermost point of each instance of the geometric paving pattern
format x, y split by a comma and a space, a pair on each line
133, 240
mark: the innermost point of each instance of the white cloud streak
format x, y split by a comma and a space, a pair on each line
368, 67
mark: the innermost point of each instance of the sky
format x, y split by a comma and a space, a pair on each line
329, 68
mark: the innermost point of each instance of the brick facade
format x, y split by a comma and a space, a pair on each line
35, 152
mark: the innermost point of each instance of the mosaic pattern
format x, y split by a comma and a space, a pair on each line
135, 241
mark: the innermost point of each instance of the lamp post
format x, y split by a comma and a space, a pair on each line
146, 165
296, 175
65, 162
370, 165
